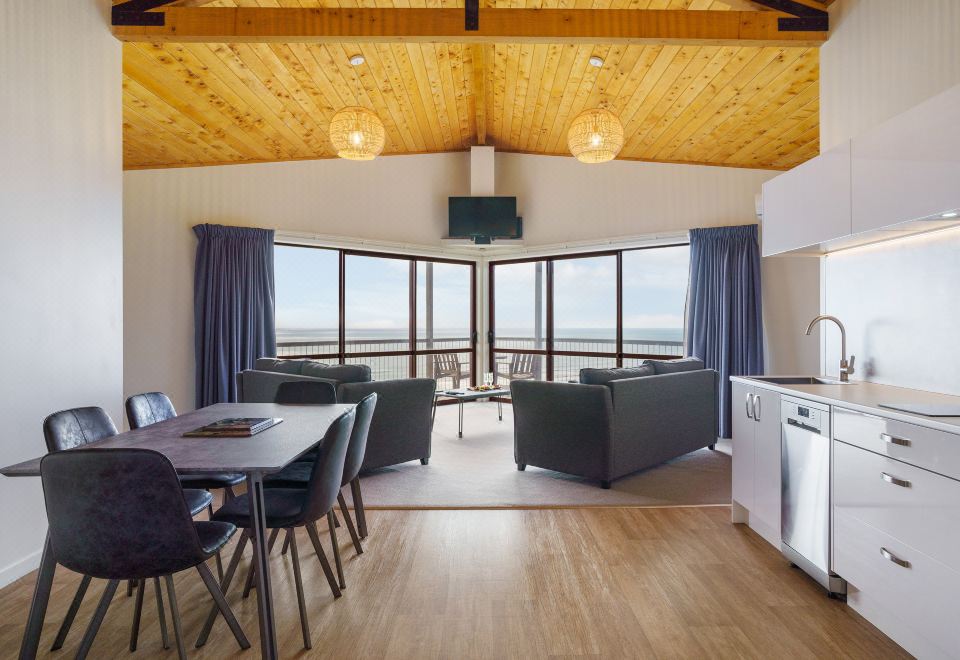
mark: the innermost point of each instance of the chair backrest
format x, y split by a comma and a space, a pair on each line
306, 391
327, 474
358, 438
149, 408
524, 364
117, 513
76, 427
446, 363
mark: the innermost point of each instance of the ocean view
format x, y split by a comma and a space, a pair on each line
387, 334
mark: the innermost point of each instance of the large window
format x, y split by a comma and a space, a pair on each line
553, 317
402, 316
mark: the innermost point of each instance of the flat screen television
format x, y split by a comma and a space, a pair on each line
484, 218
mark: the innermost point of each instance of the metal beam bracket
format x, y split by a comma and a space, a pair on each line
802, 18
137, 12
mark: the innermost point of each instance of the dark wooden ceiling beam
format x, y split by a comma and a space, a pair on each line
386, 25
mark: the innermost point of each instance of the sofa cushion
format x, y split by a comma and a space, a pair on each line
280, 366
591, 376
342, 373
676, 366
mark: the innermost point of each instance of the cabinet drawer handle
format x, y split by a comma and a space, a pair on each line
886, 554
894, 440
749, 403
757, 407
890, 479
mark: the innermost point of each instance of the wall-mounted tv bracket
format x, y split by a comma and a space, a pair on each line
137, 12
802, 17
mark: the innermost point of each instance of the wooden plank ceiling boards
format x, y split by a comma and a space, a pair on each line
707, 103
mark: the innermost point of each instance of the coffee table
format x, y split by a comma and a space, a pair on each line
463, 395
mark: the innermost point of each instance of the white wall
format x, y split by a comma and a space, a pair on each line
60, 257
392, 199
898, 299
883, 57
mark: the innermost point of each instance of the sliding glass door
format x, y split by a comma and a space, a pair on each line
552, 317
402, 316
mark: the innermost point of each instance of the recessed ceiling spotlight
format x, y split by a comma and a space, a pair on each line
949, 214
357, 60
596, 61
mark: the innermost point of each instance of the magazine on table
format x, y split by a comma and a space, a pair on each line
234, 427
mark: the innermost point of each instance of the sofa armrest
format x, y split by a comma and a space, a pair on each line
261, 386
563, 426
657, 418
402, 423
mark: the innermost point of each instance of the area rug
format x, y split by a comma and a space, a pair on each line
478, 471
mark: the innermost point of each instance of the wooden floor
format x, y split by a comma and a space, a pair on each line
617, 583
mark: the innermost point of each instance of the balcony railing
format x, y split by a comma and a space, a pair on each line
396, 362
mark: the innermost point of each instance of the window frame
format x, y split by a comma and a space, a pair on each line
412, 352
549, 352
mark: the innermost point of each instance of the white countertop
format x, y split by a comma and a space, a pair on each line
866, 397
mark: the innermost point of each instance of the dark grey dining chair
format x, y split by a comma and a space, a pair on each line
294, 392
297, 475
147, 533
290, 508
70, 429
154, 407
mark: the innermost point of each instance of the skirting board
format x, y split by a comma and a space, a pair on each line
16, 570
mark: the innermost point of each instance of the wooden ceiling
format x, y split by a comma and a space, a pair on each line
190, 104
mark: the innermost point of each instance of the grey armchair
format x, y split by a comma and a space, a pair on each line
607, 431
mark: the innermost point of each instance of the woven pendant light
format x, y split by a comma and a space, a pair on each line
357, 133
595, 136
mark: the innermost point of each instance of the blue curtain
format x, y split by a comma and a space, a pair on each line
233, 293
724, 310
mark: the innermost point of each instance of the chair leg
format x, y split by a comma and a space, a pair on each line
349, 520
71, 613
161, 613
298, 581
228, 494
224, 586
358, 507
97, 619
336, 549
175, 615
336, 520
286, 545
130, 585
322, 556
222, 605
251, 572
137, 611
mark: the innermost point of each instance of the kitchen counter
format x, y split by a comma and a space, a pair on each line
865, 397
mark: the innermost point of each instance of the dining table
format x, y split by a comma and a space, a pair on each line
301, 429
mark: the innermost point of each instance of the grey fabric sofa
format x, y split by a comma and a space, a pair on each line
402, 423
606, 431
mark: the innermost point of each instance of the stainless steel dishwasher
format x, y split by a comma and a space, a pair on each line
805, 525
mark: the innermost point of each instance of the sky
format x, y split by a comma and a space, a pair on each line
654, 292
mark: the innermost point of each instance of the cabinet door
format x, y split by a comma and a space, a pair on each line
743, 432
809, 204
908, 167
766, 506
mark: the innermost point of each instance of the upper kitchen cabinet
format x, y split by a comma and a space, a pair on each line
908, 168
808, 205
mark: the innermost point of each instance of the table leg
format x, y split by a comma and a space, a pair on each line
258, 527
460, 420
38, 605
500, 409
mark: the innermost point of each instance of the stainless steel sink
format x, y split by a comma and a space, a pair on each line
801, 380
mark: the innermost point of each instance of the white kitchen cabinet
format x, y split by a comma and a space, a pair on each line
809, 204
896, 527
908, 167
756, 458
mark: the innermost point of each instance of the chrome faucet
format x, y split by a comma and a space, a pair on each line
846, 367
